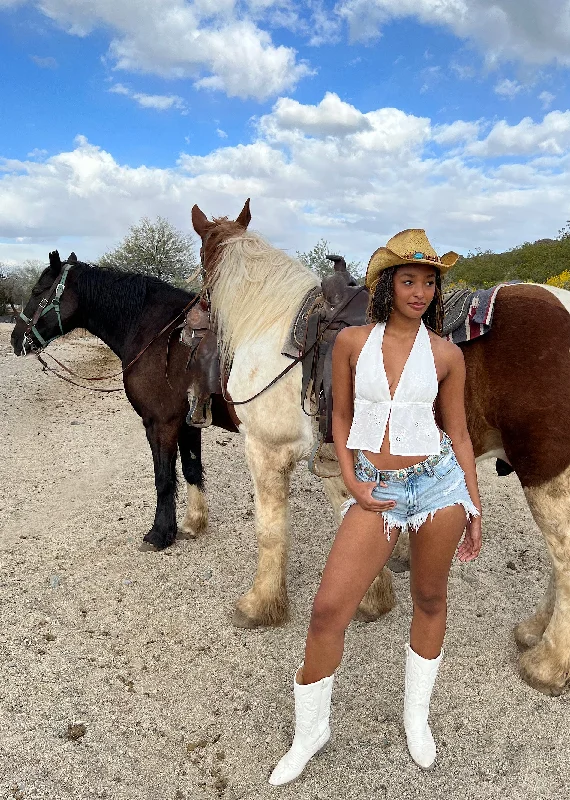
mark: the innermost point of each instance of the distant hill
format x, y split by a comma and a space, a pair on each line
537, 261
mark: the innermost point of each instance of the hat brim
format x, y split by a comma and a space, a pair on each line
383, 258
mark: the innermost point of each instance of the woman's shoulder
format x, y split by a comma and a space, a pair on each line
445, 349
355, 334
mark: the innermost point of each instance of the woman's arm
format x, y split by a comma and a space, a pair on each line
343, 411
343, 405
451, 407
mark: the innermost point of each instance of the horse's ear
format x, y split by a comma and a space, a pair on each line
200, 221
54, 261
72, 258
245, 216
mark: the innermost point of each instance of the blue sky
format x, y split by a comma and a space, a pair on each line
348, 120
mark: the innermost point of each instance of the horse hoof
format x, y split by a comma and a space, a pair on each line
158, 541
145, 547
365, 615
540, 668
271, 614
398, 565
527, 636
241, 620
187, 533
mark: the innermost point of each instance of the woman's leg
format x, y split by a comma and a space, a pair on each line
359, 552
431, 552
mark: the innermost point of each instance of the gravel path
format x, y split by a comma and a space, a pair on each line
123, 678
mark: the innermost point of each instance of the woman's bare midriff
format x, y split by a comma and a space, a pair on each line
385, 460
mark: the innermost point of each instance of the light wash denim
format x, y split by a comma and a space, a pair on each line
419, 490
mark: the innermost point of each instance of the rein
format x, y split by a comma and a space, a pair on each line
296, 360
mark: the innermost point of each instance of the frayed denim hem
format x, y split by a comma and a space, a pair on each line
416, 521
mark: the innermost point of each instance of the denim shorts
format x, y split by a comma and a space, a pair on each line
419, 491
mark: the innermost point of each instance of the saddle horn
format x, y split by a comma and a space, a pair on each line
341, 268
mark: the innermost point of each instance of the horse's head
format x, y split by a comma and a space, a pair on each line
214, 233
48, 312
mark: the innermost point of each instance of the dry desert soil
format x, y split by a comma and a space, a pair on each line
123, 678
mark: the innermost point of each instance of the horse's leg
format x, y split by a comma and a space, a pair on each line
190, 447
163, 440
547, 665
266, 602
528, 633
400, 558
379, 599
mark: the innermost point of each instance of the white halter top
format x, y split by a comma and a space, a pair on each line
412, 428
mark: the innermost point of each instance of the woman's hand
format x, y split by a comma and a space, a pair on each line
362, 493
470, 547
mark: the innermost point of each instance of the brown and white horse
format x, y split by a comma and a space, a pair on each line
518, 408
255, 292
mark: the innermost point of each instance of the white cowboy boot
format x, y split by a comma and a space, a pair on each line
420, 678
312, 732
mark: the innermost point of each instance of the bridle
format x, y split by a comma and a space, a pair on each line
47, 304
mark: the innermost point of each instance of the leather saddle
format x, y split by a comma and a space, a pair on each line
456, 305
343, 304
336, 304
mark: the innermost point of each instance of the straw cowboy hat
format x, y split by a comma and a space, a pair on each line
407, 247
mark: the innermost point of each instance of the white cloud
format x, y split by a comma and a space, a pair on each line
508, 88
331, 117
222, 134
37, 153
45, 63
355, 188
546, 98
159, 102
551, 136
534, 31
214, 42
458, 131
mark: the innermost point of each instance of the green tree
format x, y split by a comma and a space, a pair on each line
155, 248
317, 261
19, 281
530, 261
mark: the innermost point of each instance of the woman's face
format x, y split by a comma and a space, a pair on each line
414, 289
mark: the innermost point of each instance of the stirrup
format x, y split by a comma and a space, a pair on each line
205, 418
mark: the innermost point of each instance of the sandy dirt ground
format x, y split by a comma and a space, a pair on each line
123, 678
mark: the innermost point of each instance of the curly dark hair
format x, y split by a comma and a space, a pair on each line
381, 302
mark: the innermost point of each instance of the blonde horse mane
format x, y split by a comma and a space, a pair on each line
254, 287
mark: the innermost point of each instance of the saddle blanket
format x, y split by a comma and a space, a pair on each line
477, 316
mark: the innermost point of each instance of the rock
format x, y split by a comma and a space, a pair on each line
199, 743
75, 731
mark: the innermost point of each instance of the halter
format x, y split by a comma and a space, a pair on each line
44, 307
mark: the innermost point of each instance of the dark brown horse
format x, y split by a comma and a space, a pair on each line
126, 311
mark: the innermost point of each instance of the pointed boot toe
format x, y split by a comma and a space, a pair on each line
422, 748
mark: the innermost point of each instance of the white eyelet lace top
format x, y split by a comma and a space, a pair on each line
409, 413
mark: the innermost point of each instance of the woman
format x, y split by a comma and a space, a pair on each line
388, 377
